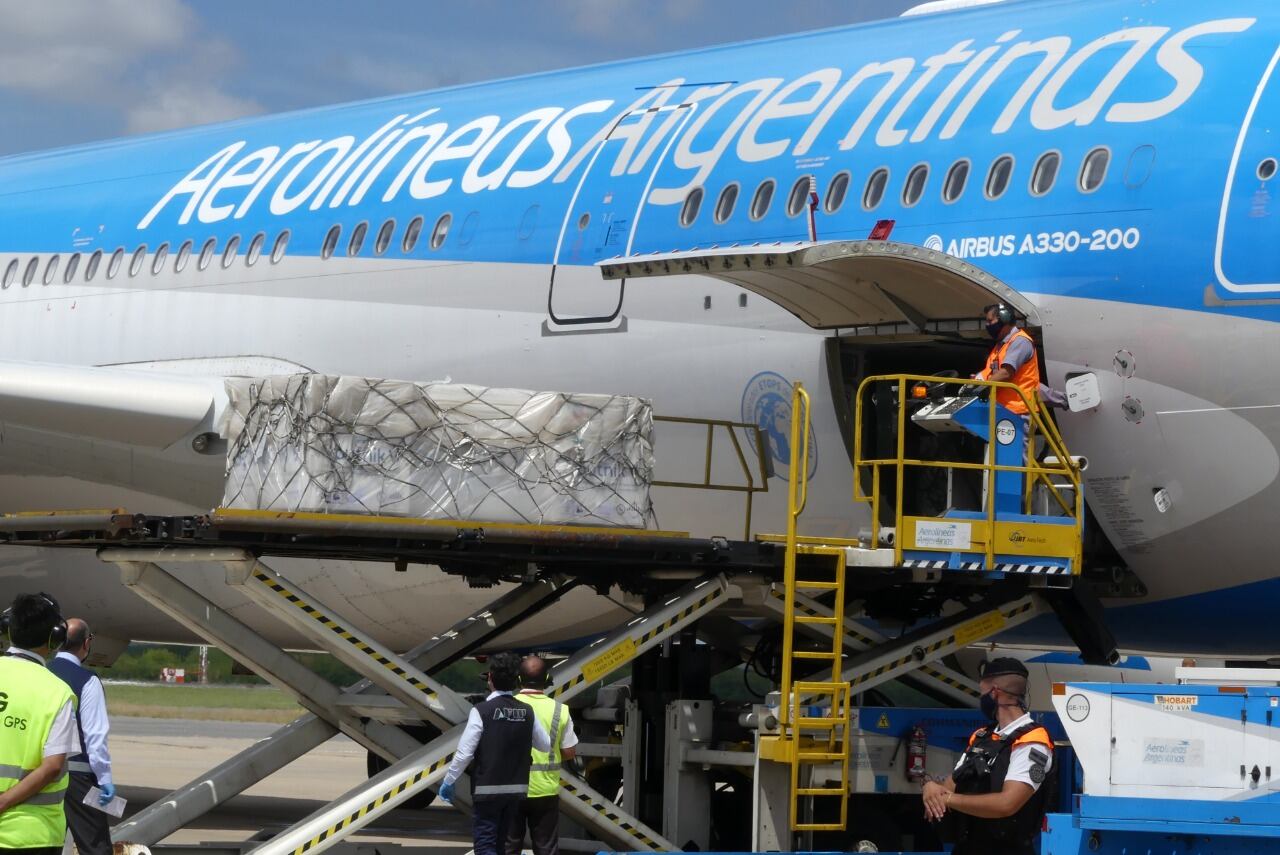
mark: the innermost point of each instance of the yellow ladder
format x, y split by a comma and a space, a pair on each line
821, 739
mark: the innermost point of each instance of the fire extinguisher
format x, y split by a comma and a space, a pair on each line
917, 746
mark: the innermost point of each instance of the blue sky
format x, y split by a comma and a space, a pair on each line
81, 70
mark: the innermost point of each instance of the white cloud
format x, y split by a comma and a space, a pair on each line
184, 104
73, 49
146, 59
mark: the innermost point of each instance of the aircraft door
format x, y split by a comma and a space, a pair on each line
1248, 252
605, 212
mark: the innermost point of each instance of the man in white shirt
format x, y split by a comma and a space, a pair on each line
540, 813
91, 769
499, 735
996, 793
40, 732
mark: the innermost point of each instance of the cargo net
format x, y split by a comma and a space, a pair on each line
311, 442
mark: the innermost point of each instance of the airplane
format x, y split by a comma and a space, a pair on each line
1103, 168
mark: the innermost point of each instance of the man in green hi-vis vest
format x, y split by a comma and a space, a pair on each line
37, 729
540, 812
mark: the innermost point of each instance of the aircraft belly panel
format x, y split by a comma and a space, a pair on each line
1170, 422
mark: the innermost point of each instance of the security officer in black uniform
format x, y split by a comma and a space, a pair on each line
500, 733
997, 795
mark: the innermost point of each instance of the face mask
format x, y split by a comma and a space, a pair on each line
989, 705
993, 329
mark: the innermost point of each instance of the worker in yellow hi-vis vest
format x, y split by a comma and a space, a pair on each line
540, 812
37, 730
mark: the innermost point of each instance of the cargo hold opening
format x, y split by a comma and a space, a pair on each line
891, 308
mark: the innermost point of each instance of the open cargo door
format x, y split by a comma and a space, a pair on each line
876, 288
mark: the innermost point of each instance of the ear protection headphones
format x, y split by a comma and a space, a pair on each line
1003, 313
57, 635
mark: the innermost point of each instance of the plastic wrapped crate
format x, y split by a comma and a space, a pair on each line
313, 442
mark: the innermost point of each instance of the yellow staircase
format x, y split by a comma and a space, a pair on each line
810, 739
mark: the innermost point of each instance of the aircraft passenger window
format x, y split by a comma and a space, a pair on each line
441, 231
999, 175
330, 242
1267, 169
113, 266
385, 234
763, 198
73, 264
229, 252
798, 196
727, 201
206, 253
1141, 161
876, 184
692, 205
139, 257
1045, 173
90, 269
281, 244
29, 275
411, 233
162, 254
913, 189
51, 269
255, 249
836, 191
357, 239
528, 223
957, 178
584, 221
468, 231
184, 255
1094, 169
10, 273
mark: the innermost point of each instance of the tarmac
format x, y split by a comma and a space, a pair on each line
152, 757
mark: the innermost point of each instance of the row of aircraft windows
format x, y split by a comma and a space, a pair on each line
1044, 175
386, 234
115, 263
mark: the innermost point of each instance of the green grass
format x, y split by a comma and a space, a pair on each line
221, 703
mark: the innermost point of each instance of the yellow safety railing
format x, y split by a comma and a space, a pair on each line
753, 482
813, 740
797, 497
1065, 470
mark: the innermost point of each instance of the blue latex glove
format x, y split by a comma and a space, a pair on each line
446, 793
108, 793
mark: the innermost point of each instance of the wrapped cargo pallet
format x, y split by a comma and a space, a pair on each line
312, 442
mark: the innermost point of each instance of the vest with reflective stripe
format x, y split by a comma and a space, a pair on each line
1026, 378
501, 765
77, 677
544, 774
30, 698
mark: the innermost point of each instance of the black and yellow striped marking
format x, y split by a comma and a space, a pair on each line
949, 640
386, 796
610, 812
605, 809
940, 676
648, 636
345, 634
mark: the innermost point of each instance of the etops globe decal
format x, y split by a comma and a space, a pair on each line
766, 402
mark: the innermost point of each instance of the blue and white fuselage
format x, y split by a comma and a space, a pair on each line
1111, 162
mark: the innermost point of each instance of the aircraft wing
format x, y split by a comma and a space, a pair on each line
133, 408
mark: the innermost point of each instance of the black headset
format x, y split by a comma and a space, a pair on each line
57, 635
1003, 313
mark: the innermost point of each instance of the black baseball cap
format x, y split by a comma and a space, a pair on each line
1001, 667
